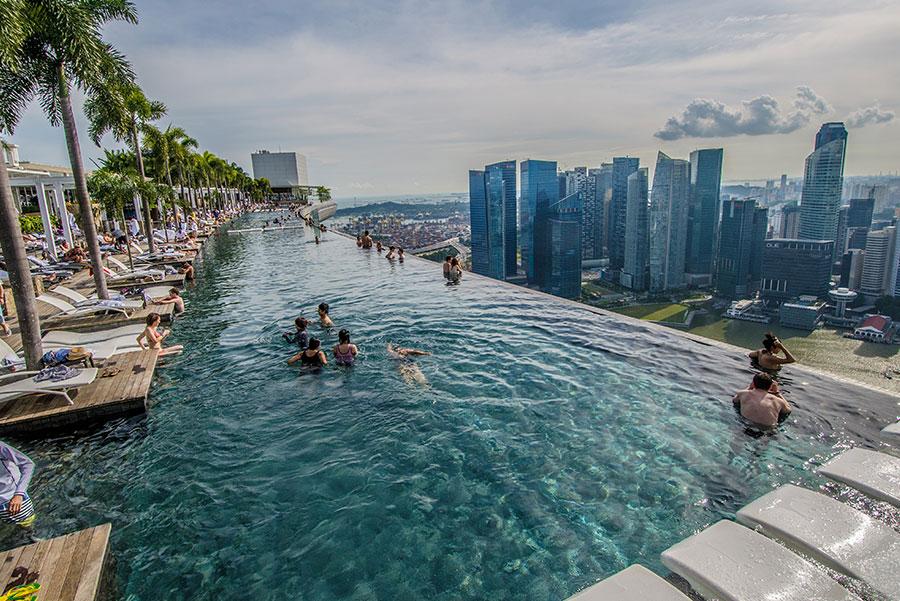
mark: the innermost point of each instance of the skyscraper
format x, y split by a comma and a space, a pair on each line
622, 168
579, 180
876, 272
703, 213
603, 178
790, 221
492, 213
791, 268
668, 222
860, 212
743, 235
564, 226
820, 200
637, 233
539, 190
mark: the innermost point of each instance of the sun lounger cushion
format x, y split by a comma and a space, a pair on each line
876, 474
731, 563
634, 583
892, 430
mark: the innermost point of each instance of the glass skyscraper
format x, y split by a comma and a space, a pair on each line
820, 200
668, 222
743, 235
564, 228
492, 213
703, 213
622, 168
539, 190
637, 233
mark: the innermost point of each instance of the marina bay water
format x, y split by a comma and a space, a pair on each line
551, 446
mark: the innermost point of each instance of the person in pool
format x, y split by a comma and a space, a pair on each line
446, 267
455, 271
762, 402
155, 338
173, 298
344, 351
390, 254
769, 357
378, 246
366, 239
400, 254
409, 371
358, 241
299, 336
311, 356
323, 315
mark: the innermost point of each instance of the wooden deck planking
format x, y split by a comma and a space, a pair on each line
119, 395
68, 568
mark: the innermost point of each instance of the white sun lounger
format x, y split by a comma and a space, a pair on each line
64, 337
832, 533
102, 350
121, 268
79, 300
634, 583
69, 310
728, 562
27, 386
892, 430
876, 474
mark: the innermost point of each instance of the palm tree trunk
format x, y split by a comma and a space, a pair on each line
81, 191
13, 248
145, 204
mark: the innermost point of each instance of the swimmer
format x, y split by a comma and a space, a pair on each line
409, 371
344, 351
173, 298
155, 338
188, 270
378, 246
390, 255
323, 315
446, 267
762, 402
366, 239
298, 337
768, 357
358, 241
455, 271
310, 357
400, 254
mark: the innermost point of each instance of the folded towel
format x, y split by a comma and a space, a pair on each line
55, 374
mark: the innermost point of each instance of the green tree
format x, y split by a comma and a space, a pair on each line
114, 191
63, 47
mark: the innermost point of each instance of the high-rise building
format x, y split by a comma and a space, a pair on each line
820, 201
840, 240
782, 189
622, 168
876, 272
790, 221
492, 213
703, 213
743, 236
792, 268
580, 180
894, 266
851, 268
284, 170
860, 212
668, 222
603, 178
539, 189
637, 233
564, 219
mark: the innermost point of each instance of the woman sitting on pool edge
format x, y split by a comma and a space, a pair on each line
768, 357
344, 351
155, 338
312, 356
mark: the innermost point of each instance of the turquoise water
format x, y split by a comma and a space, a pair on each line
550, 447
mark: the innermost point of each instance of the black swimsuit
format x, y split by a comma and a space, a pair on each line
314, 361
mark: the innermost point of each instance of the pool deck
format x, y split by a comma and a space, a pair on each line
68, 568
105, 398
83, 281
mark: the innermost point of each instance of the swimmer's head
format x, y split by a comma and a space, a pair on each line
314, 343
323, 308
153, 319
344, 337
365, 232
301, 323
769, 341
762, 381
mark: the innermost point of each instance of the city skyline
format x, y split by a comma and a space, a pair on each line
376, 117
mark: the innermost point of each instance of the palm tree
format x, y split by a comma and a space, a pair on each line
63, 47
181, 154
114, 190
124, 110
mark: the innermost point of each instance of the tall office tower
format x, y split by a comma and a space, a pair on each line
840, 240
539, 189
492, 212
894, 266
284, 170
820, 200
876, 273
782, 189
860, 212
622, 168
703, 213
603, 178
563, 179
792, 268
668, 222
851, 268
881, 194
578, 180
596, 208
856, 237
743, 234
563, 255
790, 221
637, 233
770, 191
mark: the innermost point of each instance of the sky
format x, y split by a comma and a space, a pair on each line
403, 97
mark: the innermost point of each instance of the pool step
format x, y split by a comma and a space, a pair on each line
634, 583
876, 474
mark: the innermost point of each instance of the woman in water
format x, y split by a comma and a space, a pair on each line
400, 254
390, 255
155, 338
409, 371
310, 357
299, 337
455, 270
378, 246
769, 357
344, 351
323, 316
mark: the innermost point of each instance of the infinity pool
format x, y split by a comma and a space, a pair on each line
551, 447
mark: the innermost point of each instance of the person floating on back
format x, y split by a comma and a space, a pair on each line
762, 402
409, 371
311, 356
15, 504
769, 357
298, 337
344, 351
324, 319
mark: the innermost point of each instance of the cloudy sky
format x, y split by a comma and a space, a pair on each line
405, 97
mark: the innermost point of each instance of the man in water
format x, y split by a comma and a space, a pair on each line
173, 298
15, 504
366, 240
447, 260
762, 402
409, 371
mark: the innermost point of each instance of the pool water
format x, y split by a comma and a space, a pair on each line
550, 447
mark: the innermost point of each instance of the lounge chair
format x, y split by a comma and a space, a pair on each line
27, 386
634, 583
728, 562
892, 430
80, 300
63, 337
832, 533
123, 273
68, 310
101, 350
59, 265
876, 474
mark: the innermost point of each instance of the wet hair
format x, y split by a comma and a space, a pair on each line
174, 291
762, 381
314, 343
391, 247
344, 336
448, 258
769, 341
301, 323
323, 307
152, 318
365, 232
400, 250
454, 261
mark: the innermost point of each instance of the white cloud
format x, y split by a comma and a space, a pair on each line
868, 115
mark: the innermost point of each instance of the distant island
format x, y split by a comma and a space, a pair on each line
432, 210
